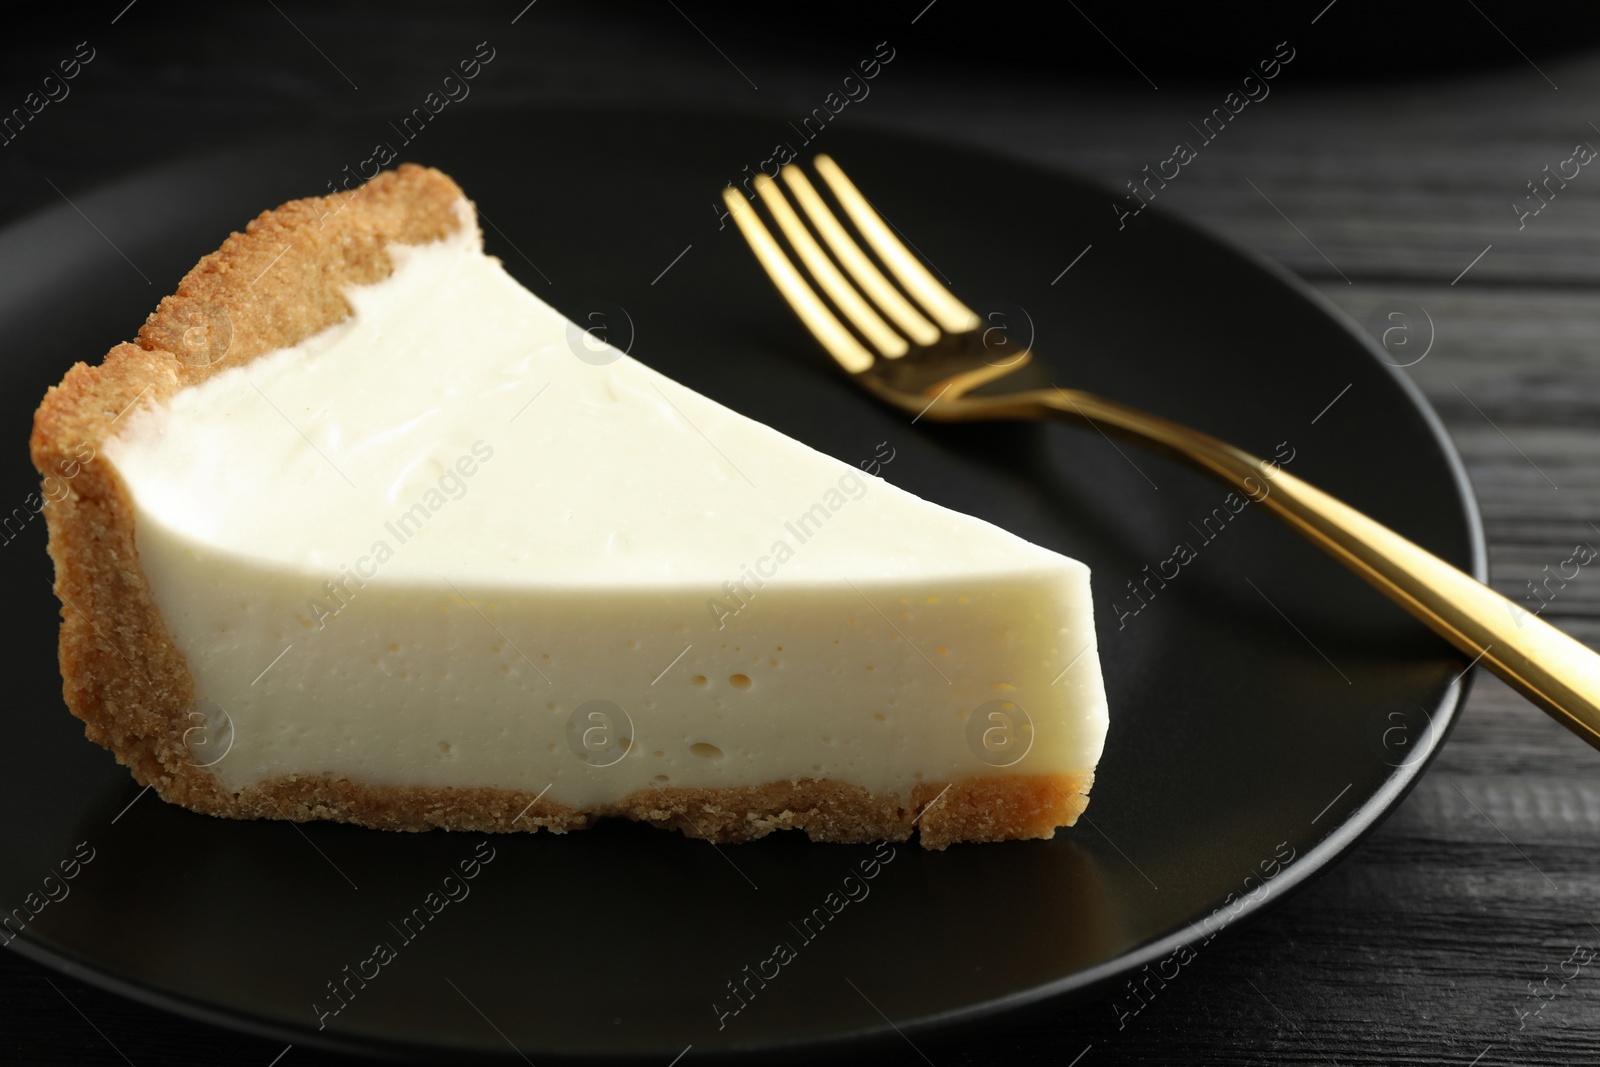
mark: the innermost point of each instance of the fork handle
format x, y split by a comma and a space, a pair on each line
1553, 670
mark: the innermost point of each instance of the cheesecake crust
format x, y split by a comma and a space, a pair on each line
271, 287
1001, 808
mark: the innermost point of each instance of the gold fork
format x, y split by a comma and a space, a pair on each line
928, 354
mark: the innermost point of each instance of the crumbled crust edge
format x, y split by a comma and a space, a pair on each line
998, 808
271, 287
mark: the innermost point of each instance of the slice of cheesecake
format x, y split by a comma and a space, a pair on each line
368, 532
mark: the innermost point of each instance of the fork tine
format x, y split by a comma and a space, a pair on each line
824, 273
861, 268
951, 314
822, 323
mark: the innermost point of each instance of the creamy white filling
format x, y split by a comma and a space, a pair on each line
455, 541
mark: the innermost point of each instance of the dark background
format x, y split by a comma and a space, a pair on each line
1391, 150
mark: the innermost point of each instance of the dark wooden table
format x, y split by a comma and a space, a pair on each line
1432, 943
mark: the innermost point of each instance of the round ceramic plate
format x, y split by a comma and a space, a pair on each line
1267, 707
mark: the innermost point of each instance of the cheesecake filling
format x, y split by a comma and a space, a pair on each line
457, 541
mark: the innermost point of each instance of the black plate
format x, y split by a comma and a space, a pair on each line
1267, 706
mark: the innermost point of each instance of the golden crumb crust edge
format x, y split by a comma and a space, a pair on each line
271, 287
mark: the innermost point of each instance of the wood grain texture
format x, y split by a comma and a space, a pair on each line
1421, 947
